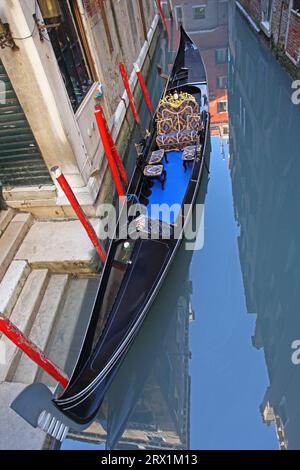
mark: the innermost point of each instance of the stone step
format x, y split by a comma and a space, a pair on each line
21, 194
61, 246
12, 284
23, 316
70, 326
12, 238
42, 327
5, 218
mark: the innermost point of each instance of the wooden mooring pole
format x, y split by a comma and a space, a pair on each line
102, 123
144, 88
108, 149
129, 93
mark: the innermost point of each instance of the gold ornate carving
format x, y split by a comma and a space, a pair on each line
177, 99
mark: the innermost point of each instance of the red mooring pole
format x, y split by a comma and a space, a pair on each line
107, 145
118, 160
114, 148
163, 18
79, 212
143, 87
129, 94
32, 351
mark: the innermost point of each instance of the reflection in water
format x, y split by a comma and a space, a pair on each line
208, 27
264, 169
154, 406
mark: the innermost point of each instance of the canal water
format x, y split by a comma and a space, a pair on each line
212, 367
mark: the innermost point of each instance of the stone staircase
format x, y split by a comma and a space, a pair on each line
13, 229
39, 293
26, 370
47, 288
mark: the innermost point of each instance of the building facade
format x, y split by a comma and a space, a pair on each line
48, 83
279, 20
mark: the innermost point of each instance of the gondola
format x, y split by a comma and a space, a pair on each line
170, 164
156, 355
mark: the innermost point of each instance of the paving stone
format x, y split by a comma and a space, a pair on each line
61, 246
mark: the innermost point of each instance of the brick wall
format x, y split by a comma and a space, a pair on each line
282, 19
254, 8
293, 39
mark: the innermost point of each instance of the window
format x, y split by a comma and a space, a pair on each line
296, 5
222, 82
74, 62
179, 15
148, 8
266, 10
165, 9
110, 44
221, 55
199, 12
115, 21
132, 19
222, 107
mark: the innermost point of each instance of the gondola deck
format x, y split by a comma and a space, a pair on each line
174, 190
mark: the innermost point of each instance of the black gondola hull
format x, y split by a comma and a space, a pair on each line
102, 353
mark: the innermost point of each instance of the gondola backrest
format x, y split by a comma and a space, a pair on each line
176, 113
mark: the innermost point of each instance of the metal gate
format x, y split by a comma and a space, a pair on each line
21, 162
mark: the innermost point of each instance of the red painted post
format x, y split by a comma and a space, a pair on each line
79, 212
32, 351
129, 94
163, 18
143, 87
107, 144
114, 149
118, 160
